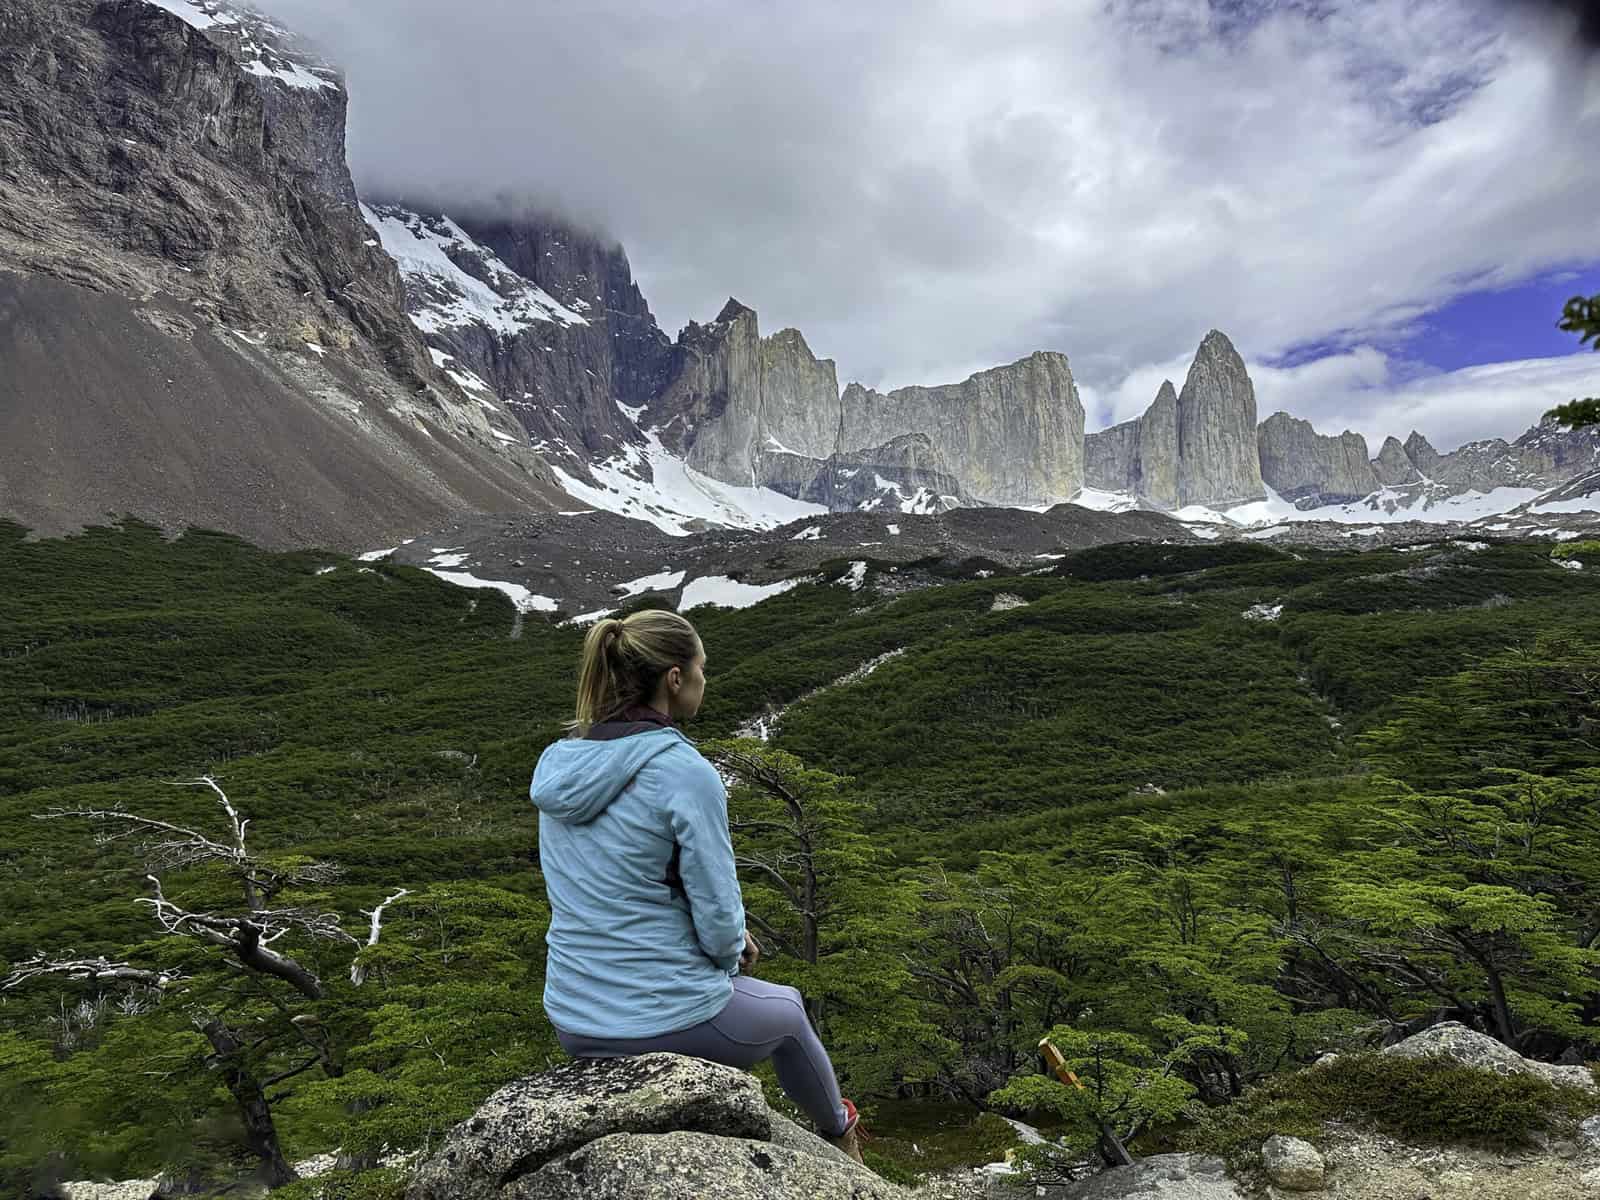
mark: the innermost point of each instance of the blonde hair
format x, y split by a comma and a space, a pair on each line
624, 660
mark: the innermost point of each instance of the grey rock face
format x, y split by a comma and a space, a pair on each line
1310, 468
1160, 1177
1421, 453
546, 315
1292, 1163
1139, 456
176, 198
799, 397
1218, 457
1013, 435
659, 1125
1393, 466
1455, 1041
742, 408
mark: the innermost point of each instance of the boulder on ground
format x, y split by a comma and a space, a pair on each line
1292, 1163
653, 1127
1455, 1041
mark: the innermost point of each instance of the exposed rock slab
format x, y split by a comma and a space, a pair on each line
670, 1166
537, 1120
656, 1126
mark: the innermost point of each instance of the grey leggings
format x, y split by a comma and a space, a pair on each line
760, 1021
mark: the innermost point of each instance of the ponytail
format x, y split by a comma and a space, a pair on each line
624, 660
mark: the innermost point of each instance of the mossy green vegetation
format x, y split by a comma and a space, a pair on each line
1421, 1101
1212, 846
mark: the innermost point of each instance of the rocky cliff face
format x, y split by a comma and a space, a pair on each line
1218, 458
1393, 467
1013, 434
1310, 468
1197, 447
1139, 456
539, 315
173, 193
767, 412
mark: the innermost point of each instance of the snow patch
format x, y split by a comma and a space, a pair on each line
811, 533
676, 493
1570, 564
665, 581
442, 295
521, 597
187, 12
1263, 612
855, 576
375, 555
1589, 503
723, 592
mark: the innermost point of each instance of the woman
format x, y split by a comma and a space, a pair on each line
647, 931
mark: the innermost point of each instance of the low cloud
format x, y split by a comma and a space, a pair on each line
928, 188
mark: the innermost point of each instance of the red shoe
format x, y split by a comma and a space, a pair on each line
853, 1135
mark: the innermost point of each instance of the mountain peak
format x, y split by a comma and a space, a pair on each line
733, 310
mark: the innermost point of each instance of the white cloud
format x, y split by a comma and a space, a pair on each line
1356, 390
924, 188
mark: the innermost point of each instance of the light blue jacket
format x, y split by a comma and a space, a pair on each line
631, 953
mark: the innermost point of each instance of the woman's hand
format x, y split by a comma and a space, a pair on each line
751, 952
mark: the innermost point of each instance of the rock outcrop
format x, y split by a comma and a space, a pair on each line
1138, 456
1455, 1041
1013, 435
1312, 469
655, 1127
1218, 458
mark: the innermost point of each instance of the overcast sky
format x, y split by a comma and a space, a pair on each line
1382, 202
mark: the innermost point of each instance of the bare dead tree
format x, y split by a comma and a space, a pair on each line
248, 937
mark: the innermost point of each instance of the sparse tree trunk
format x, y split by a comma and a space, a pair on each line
261, 1133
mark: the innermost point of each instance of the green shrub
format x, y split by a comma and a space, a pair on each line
1427, 1101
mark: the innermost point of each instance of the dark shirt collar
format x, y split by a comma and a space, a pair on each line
636, 718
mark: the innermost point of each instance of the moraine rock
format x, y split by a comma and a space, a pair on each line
1138, 456
1013, 435
1393, 466
1312, 469
1292, 1163
1455, 1041
654, 1127
908, 475
1218, 458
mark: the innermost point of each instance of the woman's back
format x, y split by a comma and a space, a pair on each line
647, 922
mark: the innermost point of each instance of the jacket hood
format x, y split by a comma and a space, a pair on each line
577, 778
